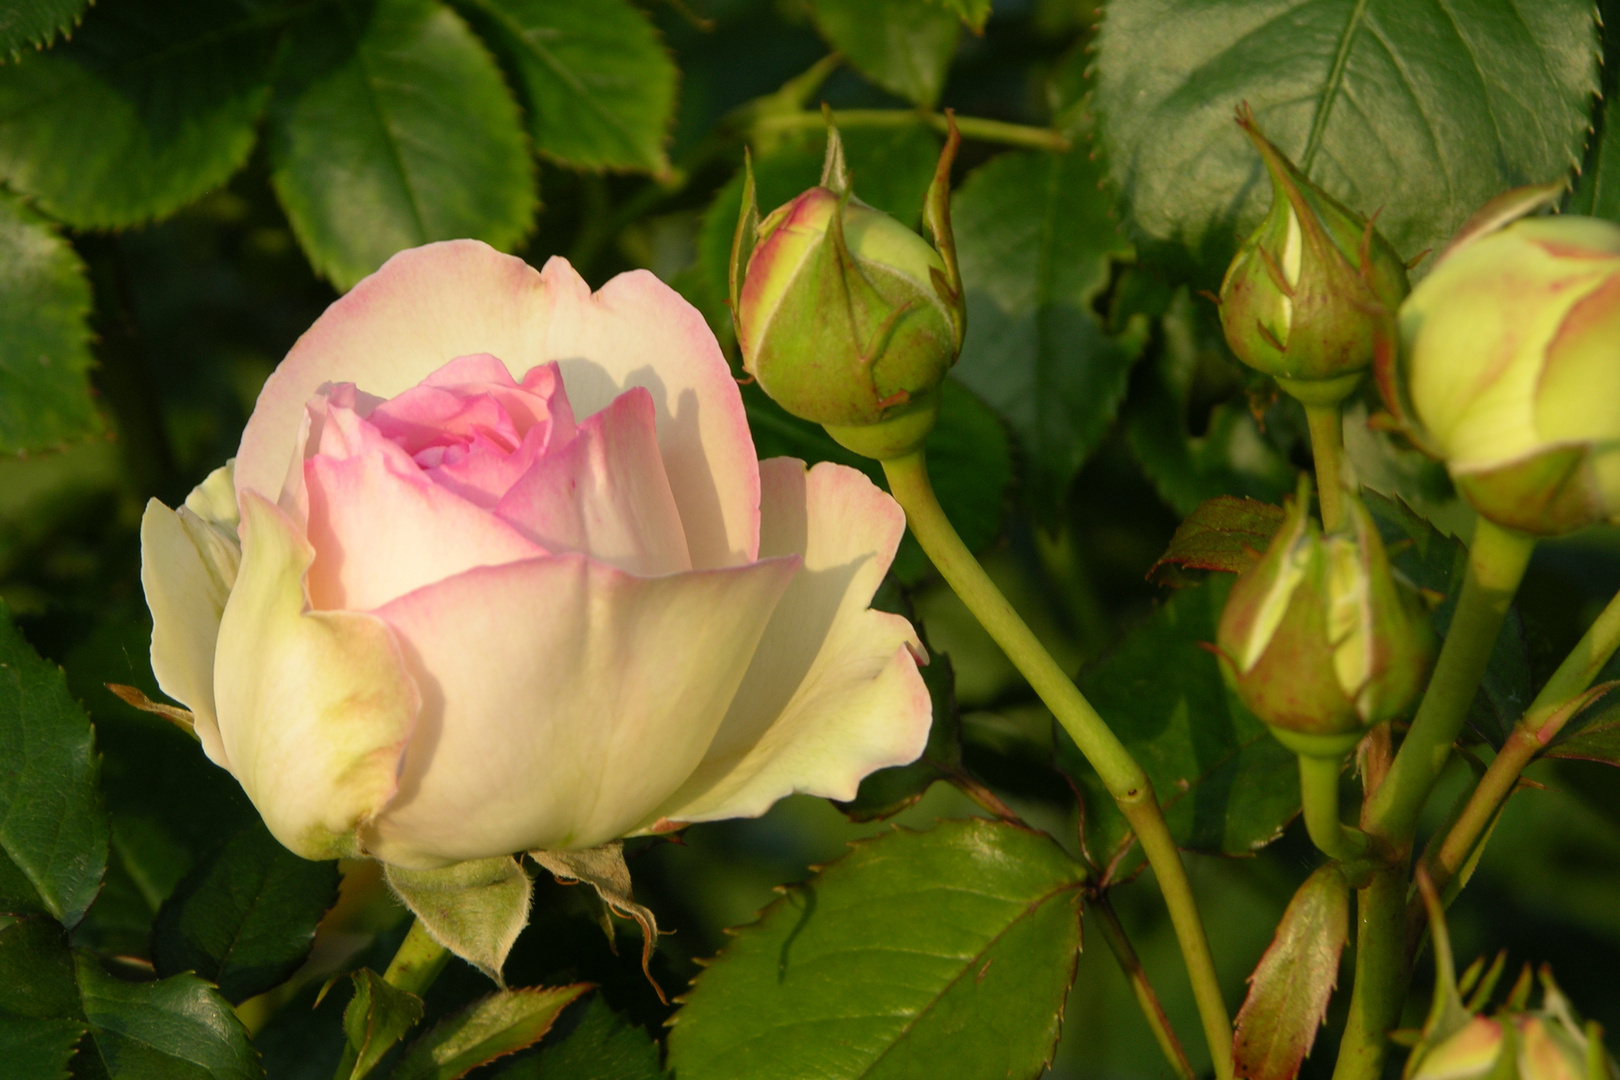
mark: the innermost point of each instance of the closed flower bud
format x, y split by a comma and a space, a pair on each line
1510, 369
1305, 296
1320, 638
846, 317
1549, 1043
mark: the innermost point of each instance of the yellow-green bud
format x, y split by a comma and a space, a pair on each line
1319, 638
1307, 292
1549, 1043
1510, 369
846, 317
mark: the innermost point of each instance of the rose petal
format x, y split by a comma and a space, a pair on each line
475, 395
431, 304
833, 693
315, 708
562, 700
605, 494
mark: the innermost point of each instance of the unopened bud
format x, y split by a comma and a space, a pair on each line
846, 317
1320, 638
1307, 292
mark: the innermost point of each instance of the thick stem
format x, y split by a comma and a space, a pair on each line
416, 964
1131, 965
971, 127
1319, 792
1496, 563
1380, 988
1327, 448
1547, 715
1124, 778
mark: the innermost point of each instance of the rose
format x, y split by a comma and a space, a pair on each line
497, 569
1510, 358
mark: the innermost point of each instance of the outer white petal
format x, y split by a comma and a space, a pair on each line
431, 304
834, 692
189, 562
315, 708
562, 700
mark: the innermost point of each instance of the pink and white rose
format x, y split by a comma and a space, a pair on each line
496, 568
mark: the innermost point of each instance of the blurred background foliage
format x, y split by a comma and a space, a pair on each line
185, 184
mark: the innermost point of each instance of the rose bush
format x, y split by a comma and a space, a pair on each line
496, 568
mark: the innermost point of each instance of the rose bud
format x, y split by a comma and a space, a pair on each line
1510, 370
1515, 1043
1308, 290
1320, 638
846, 317
498, 569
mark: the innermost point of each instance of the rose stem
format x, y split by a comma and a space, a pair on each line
1496, 563
1124, 778
1131, 965
971, 127
1547, 715
416, 964
1319, 792
1327, 446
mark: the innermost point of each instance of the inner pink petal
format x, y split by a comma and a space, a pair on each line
480, 471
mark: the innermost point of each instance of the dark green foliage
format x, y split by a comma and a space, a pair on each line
589, 1041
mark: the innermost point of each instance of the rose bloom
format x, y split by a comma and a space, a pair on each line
497, 569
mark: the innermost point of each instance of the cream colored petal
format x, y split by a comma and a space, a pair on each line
834, 692
315, 708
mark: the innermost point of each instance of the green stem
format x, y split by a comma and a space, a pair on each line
1547, 715
1380, 987
1496, 564
1118, 943
971, 127
416, 963
1327, 447
1319, 791
1124, 778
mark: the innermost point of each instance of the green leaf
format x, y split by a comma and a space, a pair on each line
391, 128
1036, 245
172, 1029
36, 972
1420, 111
35, 23
1290, 988
1227, 786
889, 791
597, 83
475, 909
150, 105
940, 953
44, 339
972, 12
38, 1049
1593, 736
1224, 534
905, 46
377, 1017
500, 1024
245, 919
53, 825
590, 1042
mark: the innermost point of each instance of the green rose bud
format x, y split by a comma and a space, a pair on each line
846, 317
1307, 292
1510, 369
1319, 638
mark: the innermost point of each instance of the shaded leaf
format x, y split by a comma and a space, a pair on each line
245, 919
1226, 533
34, 24
598, 87
172, 1029
53, 824
150, 105
972, 12
940, 953
475, 909
37, 981
392, 127
889, 791
1290, 988
38, 1049
1227, 786
590, 1042
493, 1027
1422, 110
905, 46
1593, 736
377, 1017
44, 339
1036, 245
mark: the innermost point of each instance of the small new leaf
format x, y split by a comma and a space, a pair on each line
503, 1023
378, 1016
1226, 534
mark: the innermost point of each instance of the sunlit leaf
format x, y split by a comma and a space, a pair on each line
905, 46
